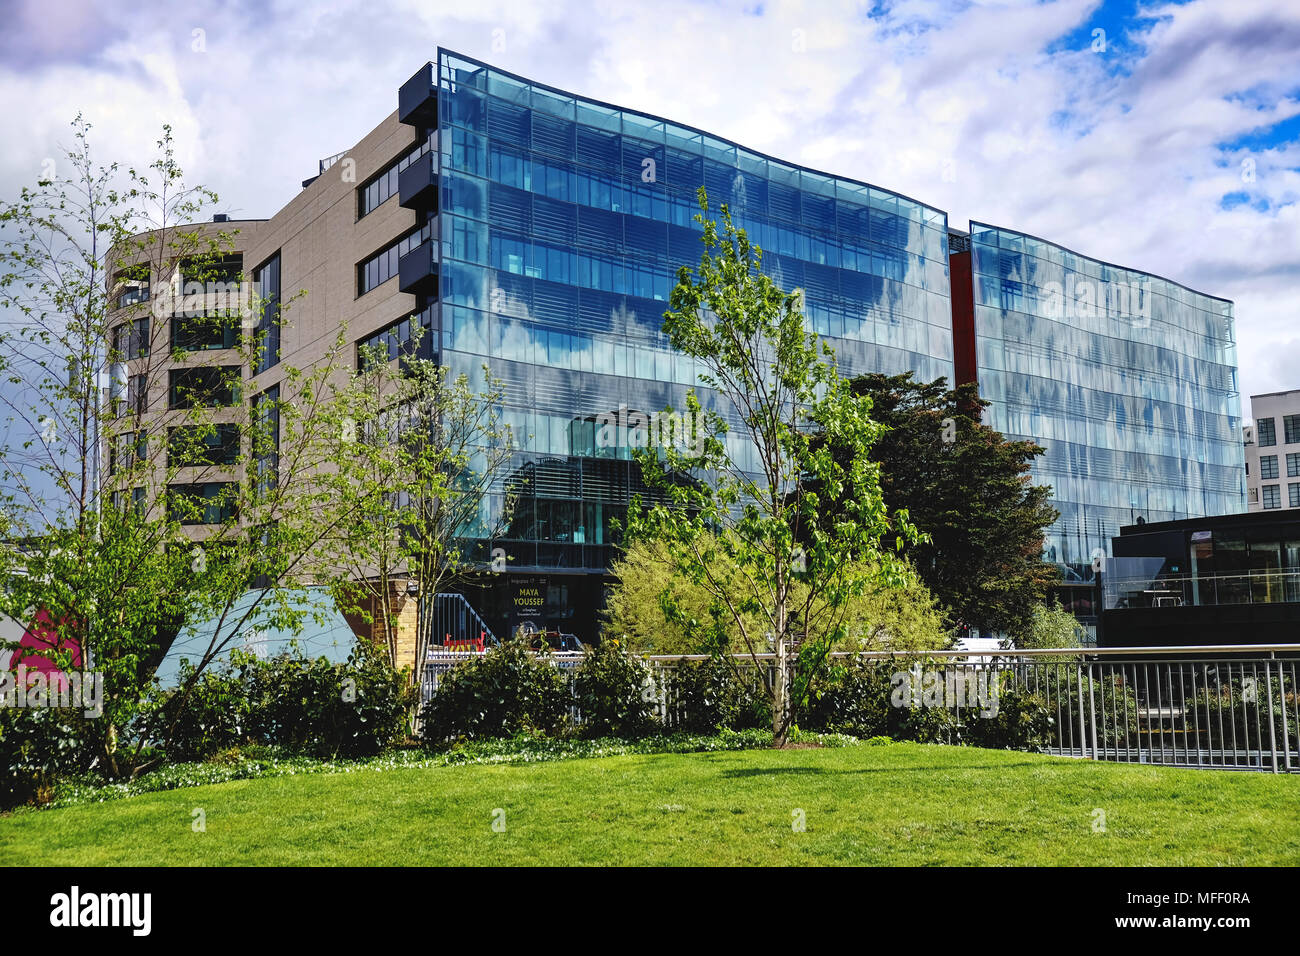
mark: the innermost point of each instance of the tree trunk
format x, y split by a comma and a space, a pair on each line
780, 725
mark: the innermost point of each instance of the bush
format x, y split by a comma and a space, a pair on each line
1226, 716
37, 745
1049, 626
1023, 721
881, 618
505, 692
212, 717
854, 696
328, 710
706, 697
611, 691
303, 706
857, 697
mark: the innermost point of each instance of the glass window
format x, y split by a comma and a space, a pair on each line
1293, 465
383, 265
645, 363
1266, 432
409, 337
194, 445
135, 286
131, 340
205, 387
602, 358
1265, 562
1291, 426
1268, 466
383, 185
1272, 496
209, 502
1294, 489
267, 280
265, 438
137, 395
1230, 562
194, 333
127, 450
206, 269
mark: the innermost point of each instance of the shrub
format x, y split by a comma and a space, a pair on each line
854, 696
502, 693
857, 697
1023, 721
611, 691
1067, 690
1049, 626
36, 746
1228, 716
212, 717
706, 697
881, 618
373, 711
304, 706
328, 710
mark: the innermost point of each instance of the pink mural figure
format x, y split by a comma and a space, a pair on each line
34, 651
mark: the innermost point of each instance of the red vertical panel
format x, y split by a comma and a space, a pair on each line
963, 318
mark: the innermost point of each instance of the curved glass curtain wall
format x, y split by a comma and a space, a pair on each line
1128, 380
563, 223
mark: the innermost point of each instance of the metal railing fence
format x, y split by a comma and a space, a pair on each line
1228, 706
1201, 590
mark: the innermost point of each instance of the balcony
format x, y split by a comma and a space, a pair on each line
417, 185
417, 271
1128, 592
417, 100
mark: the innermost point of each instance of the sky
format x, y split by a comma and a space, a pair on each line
1161, 136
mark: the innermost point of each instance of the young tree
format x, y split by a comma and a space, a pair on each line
101, 458
419, 456
1048, 626
968, 490
737, 534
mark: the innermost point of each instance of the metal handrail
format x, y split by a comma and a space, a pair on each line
1204, 590
1224, 706
329, 161
1026, 652
458, 600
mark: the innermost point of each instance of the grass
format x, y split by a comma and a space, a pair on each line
259, 762
905, 804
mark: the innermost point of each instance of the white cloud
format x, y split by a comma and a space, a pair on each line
1118, 155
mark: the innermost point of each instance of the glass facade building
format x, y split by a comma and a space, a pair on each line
562, 223
540, 233
1128, 380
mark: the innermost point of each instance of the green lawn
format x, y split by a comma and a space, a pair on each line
905, 804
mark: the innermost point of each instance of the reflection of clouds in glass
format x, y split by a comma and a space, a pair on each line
504, 303
1125, 378
517, 341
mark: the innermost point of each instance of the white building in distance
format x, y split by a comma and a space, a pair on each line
1273, 452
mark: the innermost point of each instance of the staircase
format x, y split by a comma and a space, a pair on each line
457, 626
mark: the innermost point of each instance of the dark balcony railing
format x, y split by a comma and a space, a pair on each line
417, 100
1186, 590
417, 184
418, 270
